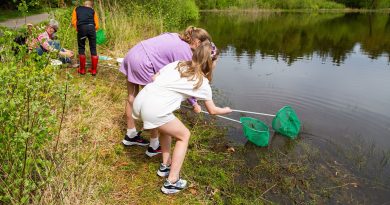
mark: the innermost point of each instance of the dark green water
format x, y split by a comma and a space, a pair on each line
332, 68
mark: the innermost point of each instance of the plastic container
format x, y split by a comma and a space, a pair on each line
255, 131
105, 58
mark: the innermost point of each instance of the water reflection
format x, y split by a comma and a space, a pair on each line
293, 36
333, 69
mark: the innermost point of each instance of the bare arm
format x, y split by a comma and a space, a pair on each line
66, 53
74, 18
214, 110
195, 105
96, 19
197, 108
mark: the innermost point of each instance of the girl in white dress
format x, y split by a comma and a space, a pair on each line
157, 101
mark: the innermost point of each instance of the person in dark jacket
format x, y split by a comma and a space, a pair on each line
86, 22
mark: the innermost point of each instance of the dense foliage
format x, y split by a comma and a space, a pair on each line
172, 12
368, 4
29, 101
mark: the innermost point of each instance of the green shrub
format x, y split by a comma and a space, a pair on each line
172, 12
330, 5
28, 120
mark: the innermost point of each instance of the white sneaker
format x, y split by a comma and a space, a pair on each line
163, 171
173, 188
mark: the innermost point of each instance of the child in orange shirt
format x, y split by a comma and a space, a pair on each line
86, 22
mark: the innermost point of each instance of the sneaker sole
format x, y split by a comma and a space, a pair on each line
152, 154
162, 174
170, 191
128, 143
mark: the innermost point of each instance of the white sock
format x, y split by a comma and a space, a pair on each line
154, 143
131, 133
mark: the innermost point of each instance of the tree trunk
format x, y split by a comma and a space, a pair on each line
60, 3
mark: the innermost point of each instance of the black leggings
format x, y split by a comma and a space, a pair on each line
84, 32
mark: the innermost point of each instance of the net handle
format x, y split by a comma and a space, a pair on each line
256, 113
223, 117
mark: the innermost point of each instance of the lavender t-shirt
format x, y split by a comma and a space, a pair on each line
149, 56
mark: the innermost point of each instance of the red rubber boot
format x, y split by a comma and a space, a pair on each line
93, 69
81, 68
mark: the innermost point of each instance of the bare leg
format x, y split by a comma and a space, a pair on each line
154, 133
132, 91
165, 142
176, 129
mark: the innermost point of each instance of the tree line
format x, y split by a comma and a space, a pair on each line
293, 4
224, 4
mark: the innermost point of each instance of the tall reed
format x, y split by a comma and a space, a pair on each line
127, 26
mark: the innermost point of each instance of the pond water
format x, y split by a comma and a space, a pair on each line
332, 68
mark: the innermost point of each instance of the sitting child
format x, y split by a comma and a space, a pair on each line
46, 43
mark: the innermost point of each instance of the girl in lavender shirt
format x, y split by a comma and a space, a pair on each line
143, 61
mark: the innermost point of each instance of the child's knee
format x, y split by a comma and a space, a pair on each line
186, 135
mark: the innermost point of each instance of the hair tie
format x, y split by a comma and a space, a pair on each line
190, 31
213, 50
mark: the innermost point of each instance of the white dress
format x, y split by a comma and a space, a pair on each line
155, 103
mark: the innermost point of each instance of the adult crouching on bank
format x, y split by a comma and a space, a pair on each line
86, 22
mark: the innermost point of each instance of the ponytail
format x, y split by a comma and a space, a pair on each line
191, 33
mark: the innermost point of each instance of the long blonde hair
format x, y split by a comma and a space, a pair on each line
200, 65
191, 33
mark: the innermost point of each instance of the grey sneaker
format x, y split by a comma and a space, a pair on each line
173, 188
163, 171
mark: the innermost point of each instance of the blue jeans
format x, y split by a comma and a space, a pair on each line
55, 44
